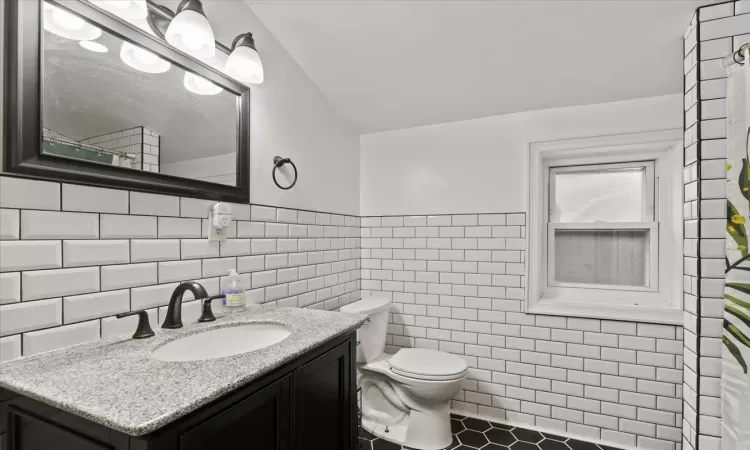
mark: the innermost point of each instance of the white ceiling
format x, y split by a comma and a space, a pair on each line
397, 64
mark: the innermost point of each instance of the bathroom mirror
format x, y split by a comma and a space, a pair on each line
113, 104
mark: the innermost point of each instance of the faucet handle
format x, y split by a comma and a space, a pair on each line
207, 315
144, 327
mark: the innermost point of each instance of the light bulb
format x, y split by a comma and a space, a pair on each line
199, 85
142, 60
192, 40
144, 56
93, 46
245, 65
67, 20
67, 25
190, 32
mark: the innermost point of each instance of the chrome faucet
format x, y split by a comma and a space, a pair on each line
174, 311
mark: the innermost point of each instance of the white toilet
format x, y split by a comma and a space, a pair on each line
406, 396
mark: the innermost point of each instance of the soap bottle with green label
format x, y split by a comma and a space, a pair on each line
234, 292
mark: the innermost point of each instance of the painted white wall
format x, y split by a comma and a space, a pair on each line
479, 165
290, 117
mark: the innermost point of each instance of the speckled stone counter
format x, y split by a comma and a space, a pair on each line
115, 382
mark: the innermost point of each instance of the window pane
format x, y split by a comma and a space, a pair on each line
605, 195
614, 257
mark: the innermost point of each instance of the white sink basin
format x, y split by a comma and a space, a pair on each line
222, 342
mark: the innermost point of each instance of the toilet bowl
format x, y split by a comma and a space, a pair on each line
405, 396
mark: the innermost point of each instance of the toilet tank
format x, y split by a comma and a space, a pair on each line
371, 335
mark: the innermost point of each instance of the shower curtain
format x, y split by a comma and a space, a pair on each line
736, 339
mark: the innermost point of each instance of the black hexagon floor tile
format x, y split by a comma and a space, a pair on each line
495, 436
457, 426
521, 445
555, 437
476, 424
525, 435
364, 434
492, 446
472, 438
575, 444
380, 444
502, 437
551, 444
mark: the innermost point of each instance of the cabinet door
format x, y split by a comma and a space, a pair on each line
30, 432
259, 422
324, 401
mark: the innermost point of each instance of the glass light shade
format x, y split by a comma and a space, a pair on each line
67, 25
199, 85
244, 64
93, 46
142, 59
190, 32
127, 9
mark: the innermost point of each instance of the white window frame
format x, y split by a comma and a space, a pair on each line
661, 301
652, 225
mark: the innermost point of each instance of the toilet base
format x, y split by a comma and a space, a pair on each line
423, 430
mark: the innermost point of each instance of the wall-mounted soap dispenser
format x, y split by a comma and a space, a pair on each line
219, 218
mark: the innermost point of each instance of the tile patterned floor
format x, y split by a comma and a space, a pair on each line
471, 434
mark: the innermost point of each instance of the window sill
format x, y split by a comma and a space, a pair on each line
668, 316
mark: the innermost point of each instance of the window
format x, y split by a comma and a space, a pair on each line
608, 229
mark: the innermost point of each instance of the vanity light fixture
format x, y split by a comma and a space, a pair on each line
199, 85
67, 25
142, 59
126, 9
190, 31
244, 62
93, 46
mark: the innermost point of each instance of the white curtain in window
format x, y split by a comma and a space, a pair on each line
736, 339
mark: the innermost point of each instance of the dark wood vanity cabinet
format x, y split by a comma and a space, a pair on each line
309, 403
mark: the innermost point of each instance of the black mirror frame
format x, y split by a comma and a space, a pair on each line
23, 109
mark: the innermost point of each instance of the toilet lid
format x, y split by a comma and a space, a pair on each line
427, 364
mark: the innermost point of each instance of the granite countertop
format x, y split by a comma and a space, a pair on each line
115, 382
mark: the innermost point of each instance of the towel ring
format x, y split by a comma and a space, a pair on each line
278, 162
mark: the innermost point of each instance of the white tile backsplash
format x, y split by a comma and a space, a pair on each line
30, 255
26, 316
91, 306
59, 337
58, 225
128, 275
95, 252
154, 250
128, 227
154, 204
54, 283
10, 224
94, 199
29, 194
10, 288
112, 250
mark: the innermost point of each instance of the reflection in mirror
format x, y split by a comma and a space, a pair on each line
109, 101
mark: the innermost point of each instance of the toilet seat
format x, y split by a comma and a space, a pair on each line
429, 365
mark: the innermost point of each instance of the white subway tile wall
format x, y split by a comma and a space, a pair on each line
71, 257
140, 143
458, 285
713, 33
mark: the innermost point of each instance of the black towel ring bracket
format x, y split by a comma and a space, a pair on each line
279, 162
